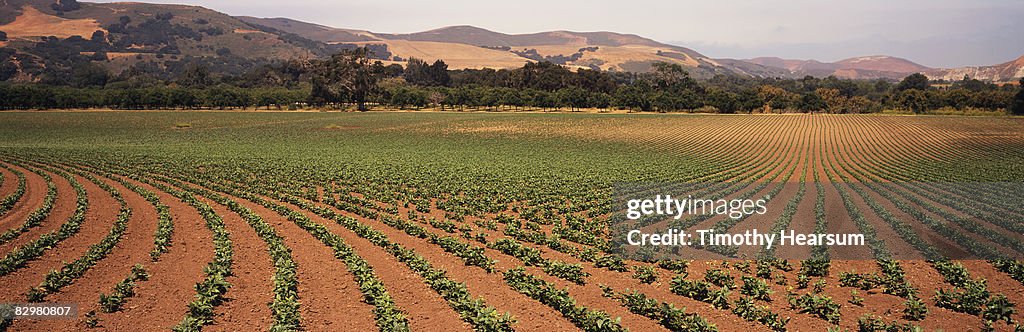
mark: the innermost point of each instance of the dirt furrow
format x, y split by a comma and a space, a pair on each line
245, 307
425, 308
103, 210
330, 297
101, 278
162, 301
35, 193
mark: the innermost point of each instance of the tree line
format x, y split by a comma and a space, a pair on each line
352, 79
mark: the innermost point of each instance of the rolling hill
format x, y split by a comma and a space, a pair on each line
44, 35
866, 67
144, 28
472, 47
466, 46
1004, 72
312, 31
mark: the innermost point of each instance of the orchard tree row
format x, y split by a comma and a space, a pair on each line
354, 79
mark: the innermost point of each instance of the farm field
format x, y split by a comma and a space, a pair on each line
499, 222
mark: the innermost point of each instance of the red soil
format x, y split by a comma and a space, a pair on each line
252, 287
425, 309
589, 295
530, 314
328, 292
98, 219
10, 182
35, 193
132, 249
162, 301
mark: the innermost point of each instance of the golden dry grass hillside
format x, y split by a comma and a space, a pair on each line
33, 23
457, 56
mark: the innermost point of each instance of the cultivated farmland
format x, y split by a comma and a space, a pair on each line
500, 222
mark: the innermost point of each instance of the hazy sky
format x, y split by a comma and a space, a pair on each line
936, 33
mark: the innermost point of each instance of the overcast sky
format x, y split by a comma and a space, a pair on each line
936, 33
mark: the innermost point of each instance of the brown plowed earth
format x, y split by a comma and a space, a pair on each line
162, 301
530, 315
10, 182
591, 296
904, 250
883, 231
764, 223
777, 205
132, 249
622, 281
329, 296
805, 218
919, 273
782, 161
998, 283
35, 193
947, 246
803, 222
877, 303
252, 271
63, 208
887, 306
839, 221
778, 305
942, 244
660, 290
425, 309
587, 296
987, 224
768, 152
923, 276
99, 218
884, 305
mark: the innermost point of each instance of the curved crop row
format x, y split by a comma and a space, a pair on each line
165, 223
471, 255
55, 280
664, 313
389, 317
17, 258
474, 311
285, 306
8, 201
37, 216
559, 299
532, 257
123, 290
387, 314
210, 292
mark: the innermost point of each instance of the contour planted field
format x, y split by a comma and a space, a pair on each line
500, 222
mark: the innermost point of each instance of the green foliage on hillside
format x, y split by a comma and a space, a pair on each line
164, 37
1017, 108
353, 78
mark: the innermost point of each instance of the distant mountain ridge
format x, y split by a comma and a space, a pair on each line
866, 67
464, 46
130, 33
1004, 72
465, 34
880, 66
312, 31
145, 28
624, 52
